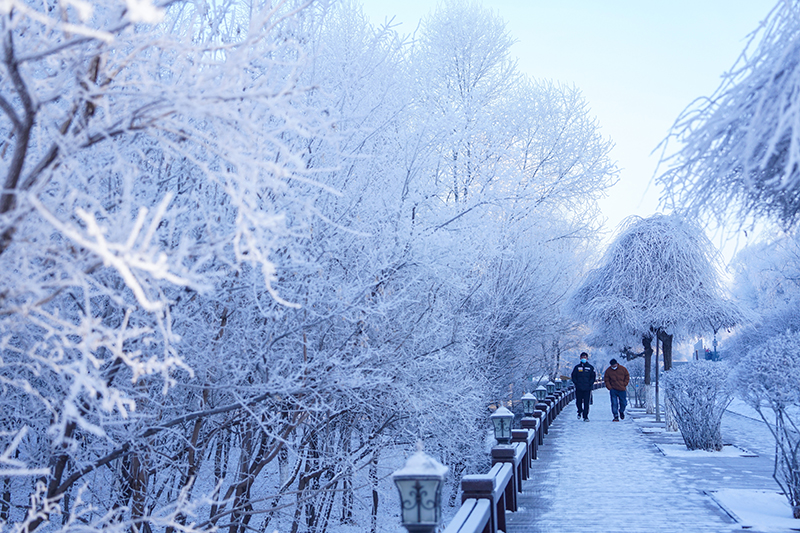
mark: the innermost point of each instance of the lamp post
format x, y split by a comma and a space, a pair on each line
420, 484
528, 404
541, 392
502, 420
551, 388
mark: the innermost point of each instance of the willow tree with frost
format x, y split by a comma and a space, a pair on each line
659, 279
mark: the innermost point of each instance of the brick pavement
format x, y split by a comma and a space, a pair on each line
604, 476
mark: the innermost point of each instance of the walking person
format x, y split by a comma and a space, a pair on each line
616, 379
583, 376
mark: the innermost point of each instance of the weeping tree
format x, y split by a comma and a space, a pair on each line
659, 278
741, 146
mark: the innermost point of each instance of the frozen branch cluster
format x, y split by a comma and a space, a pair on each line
740, 151
769, 378
767, 275
699, 393
249, 251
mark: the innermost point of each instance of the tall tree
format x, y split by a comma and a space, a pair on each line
238, 280
659, 277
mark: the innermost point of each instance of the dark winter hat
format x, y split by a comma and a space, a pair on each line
612, 362
584, 354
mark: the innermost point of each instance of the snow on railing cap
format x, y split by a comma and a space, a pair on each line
421, 464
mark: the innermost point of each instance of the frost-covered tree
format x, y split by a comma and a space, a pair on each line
149, 156
659, 274
766, 278
240, 227
741, 146
699, 393
766, 282
659, 277
770, 382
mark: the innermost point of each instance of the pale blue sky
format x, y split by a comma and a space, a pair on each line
639, 63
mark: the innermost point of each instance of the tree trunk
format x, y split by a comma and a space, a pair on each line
649, 403
658, 392
373, 480
647, 342
666, 347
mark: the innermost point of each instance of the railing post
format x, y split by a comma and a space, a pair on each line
532, 425
541, 414
551, 412
527, 437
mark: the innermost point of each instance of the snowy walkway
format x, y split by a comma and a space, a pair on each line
610, 477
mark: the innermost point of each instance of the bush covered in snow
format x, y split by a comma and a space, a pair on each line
769, 378
698, 394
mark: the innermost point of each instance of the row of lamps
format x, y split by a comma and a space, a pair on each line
421, 480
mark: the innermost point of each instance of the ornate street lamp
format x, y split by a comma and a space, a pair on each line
502, 420
541, 392
528, 404
551, 387
420, 484
559, 385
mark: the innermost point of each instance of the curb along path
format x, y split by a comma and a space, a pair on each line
608, 476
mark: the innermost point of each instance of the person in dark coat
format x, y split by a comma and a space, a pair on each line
583, 376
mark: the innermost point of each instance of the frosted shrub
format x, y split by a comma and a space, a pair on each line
698, 393
769, 378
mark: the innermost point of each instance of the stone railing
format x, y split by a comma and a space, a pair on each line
486, 497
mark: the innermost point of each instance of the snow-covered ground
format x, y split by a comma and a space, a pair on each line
632, 477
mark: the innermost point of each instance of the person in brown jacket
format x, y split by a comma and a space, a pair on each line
616, 379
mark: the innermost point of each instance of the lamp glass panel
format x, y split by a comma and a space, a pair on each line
502, 428
528, 406
420, 500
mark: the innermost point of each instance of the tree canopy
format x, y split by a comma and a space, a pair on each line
659, 273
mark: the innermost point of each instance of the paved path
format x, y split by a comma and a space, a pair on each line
604, 476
